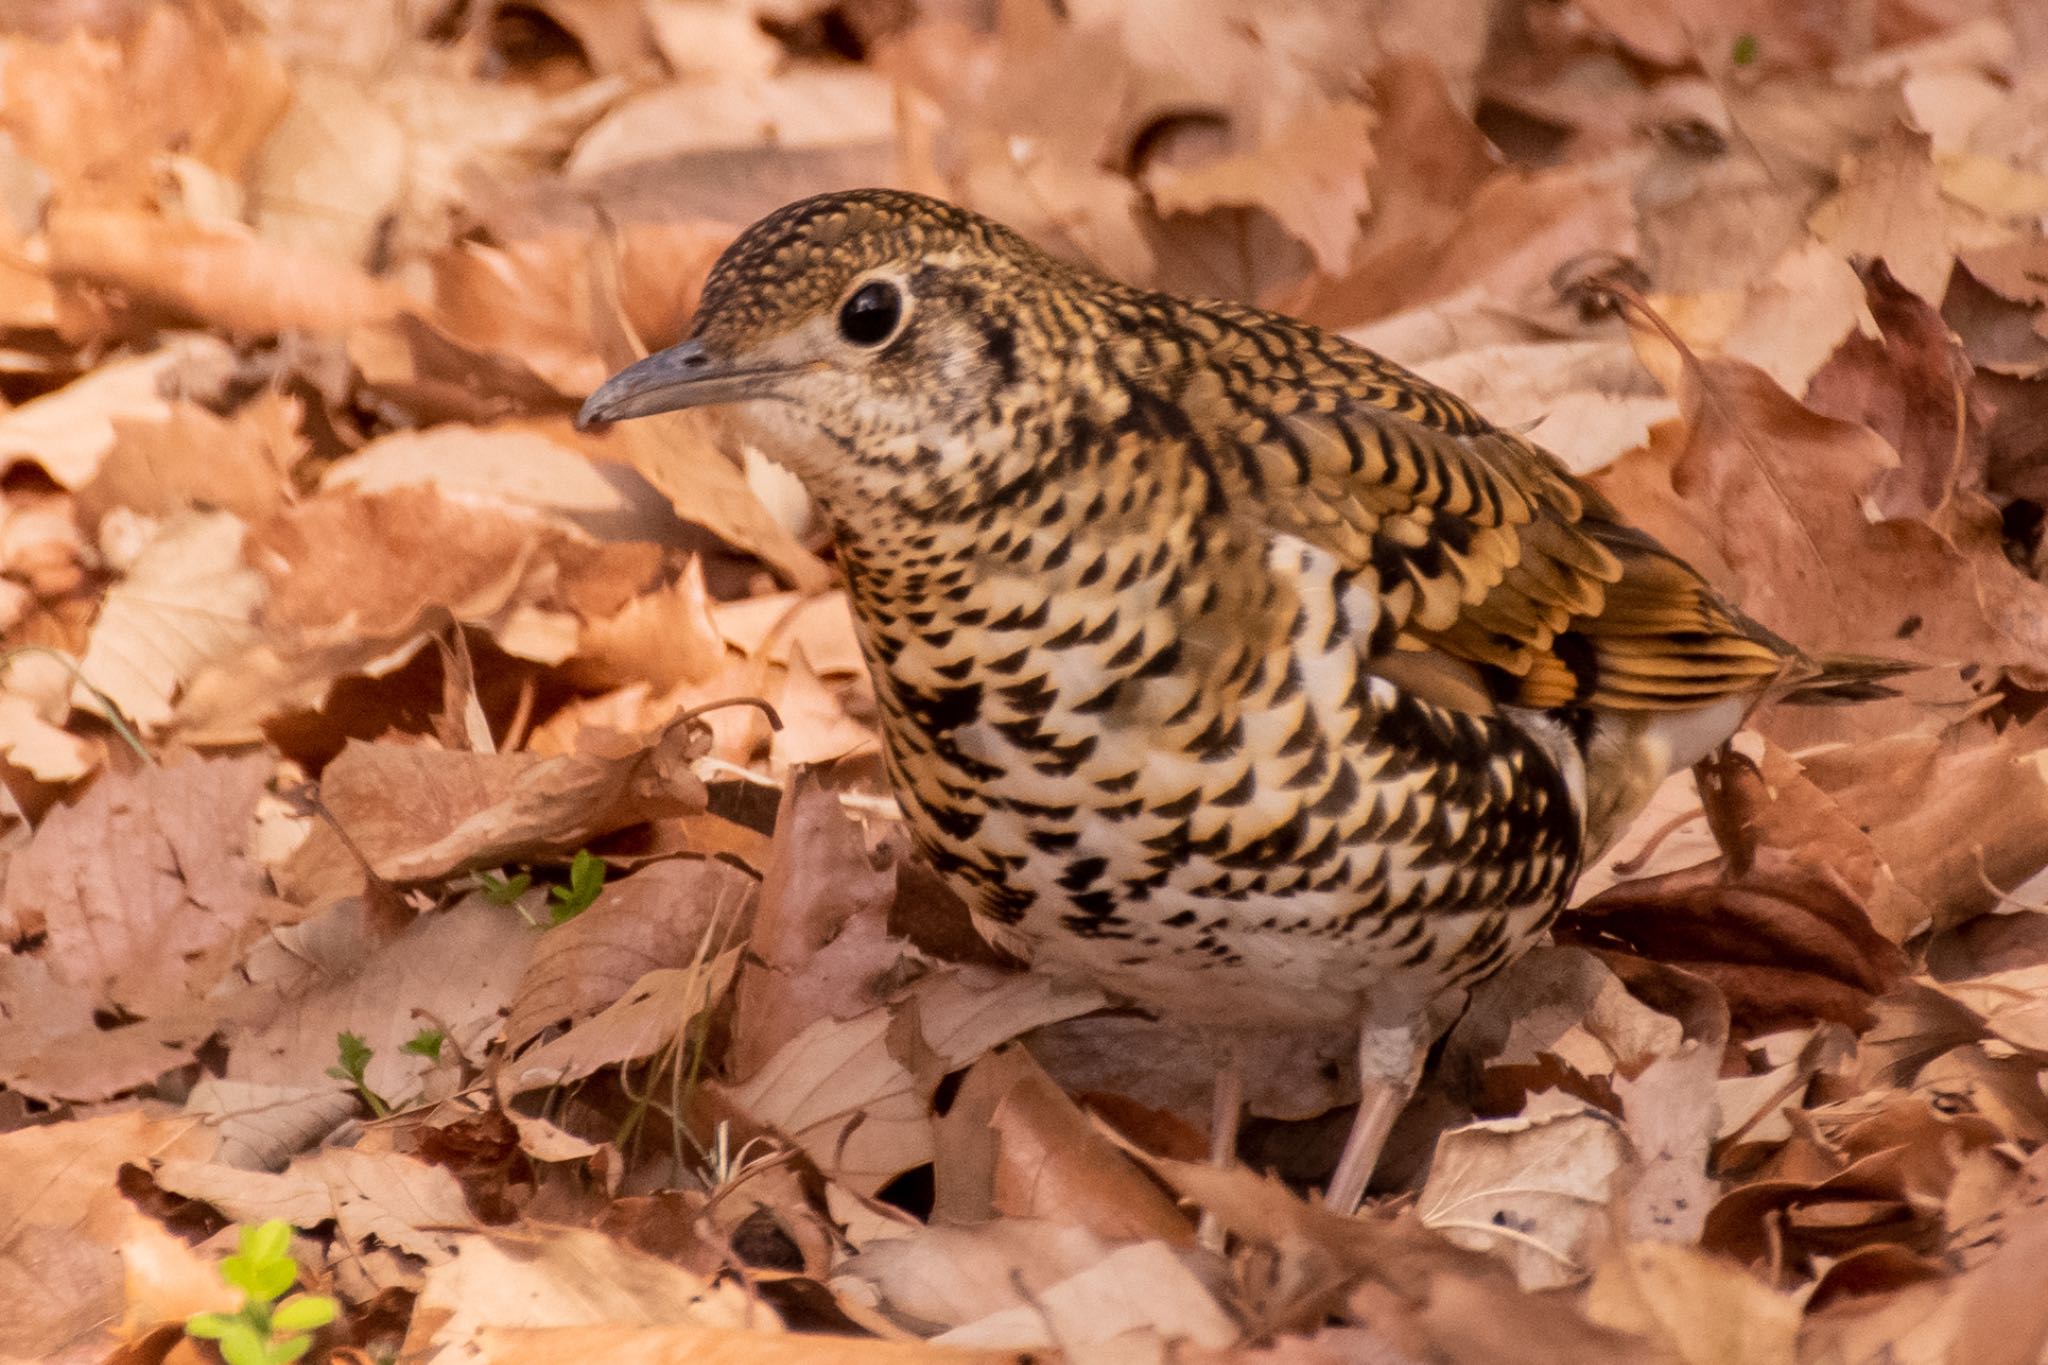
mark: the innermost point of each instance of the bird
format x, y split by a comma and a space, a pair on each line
1220, 662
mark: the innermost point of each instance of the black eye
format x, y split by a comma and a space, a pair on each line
869, 318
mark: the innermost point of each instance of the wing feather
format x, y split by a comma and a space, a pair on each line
1480, 546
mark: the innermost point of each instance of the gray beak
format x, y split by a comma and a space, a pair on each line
683, 376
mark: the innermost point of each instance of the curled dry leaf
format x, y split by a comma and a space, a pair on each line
1012, 1145
1782, 926
261, 1127
820, 946
420, 814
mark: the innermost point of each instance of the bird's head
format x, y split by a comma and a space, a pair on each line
862, 337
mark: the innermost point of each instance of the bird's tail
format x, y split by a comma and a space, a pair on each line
1834, 679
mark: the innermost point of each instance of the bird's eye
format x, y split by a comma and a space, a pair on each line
870, 315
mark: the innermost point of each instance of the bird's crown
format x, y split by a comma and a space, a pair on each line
801, 258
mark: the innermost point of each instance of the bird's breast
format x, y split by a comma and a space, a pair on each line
1161, 763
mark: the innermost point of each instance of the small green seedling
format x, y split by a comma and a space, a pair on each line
586, 879
504, 890
265, 1331
426, 1043
355, 1059
1747, 49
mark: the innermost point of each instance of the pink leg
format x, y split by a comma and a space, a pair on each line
1226, 1110
1389, 1064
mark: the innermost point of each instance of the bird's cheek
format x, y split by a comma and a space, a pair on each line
787, 434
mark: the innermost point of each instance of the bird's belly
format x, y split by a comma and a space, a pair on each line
1270, 959
1281, 909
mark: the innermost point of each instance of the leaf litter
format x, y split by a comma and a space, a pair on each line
465, 839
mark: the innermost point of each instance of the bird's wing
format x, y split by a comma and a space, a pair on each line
1491, 563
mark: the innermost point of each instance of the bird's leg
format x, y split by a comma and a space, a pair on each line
1389, 1064
1226, 1111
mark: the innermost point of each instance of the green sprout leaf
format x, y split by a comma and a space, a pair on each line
1747, 48
355, 1057
426, 1043
209, 1326
263, 1269
303, 1312
504, 890
243, 1344
586, 879
355, 1060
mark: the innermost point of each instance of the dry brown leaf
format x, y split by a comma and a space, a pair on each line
816, 728
98, 113
568, 1277
1310, 174
454, 970
262, 1127
807, 106
65, 1220
536, 468
195, 458
1700, 1310
670, 915
1788, 536
1144, 1294
145, 891
1890, 208
669, 1345
465, 138
820, 945
1958, 817
1532, 1189
1589, 402
160, 272
1012, 1145
188, 601
71, 431
56, 1044
1782, 924
43, 750
431, 377
381, 1197
855, 1094
421, 814
332, 171
663, 639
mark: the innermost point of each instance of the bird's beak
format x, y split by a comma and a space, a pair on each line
689, 375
